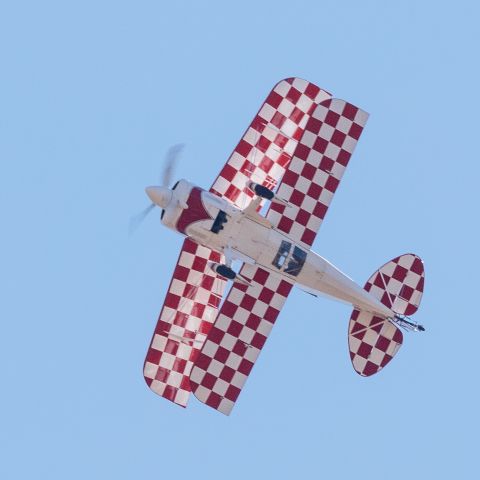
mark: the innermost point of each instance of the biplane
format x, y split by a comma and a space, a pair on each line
292, 156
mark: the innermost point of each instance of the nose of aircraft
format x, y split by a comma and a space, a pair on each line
160, 196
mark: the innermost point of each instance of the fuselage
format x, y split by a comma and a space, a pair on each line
247, 236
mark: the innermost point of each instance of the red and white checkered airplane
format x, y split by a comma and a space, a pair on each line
293, 155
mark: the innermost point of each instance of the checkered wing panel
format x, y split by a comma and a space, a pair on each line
316, 169
190, 308
267, 146
373, 342
239, 333
399, 284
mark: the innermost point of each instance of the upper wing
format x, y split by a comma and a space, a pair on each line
235, 341
269, 142
316, 169
190, 308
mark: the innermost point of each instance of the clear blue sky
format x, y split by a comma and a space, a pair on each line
92, 94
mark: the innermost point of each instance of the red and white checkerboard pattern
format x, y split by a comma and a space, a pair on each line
269, 142
399, 284
190, 308
373, 341
234, 342
316, 169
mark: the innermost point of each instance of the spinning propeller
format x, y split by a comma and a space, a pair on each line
160, 195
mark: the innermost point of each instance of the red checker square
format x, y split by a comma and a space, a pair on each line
406, 292
214, 400
203, 362
308, 171
355, 314
378, 281
227, 374
232, 192
303, 217
385, 360
320, 145
320, 210
277, 207
162, 327
172, 301
296, 115
245, 366
314, 191
170, 393
199, 264
209, 381
278, 120
248, 302
382, 343
253, 321
397, 336
331, 184
266, 295
302, 151
290, 178
180, 319
232, 393
198, 309
343, 157
355, 131
308, 236
410, 309
399, 273
221, 354
266, 164
326, 164
247, 168
239, 348
283, 289
215, 257
271, 314
280, 140
229, 172
293, 95
370, 369
417, 266
350, 111
376, 324
263, 143
229, 308
332, 118
179, 365
386, 299
207, 282
274, 99
258, 124
283, 160
162, 375
364, 350
171, 347
234, 328
185, 384
314, 125
153, 356
243, 148
205, 327
216, 335
297, 198
285, 224
311, 91
213, 300
181, 273
190, 246
258, 340
420, 284
338, 138
261, 276
189, 291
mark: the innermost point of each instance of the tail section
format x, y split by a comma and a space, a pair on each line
373, 341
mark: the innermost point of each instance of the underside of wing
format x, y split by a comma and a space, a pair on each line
190, 308
317, 166
266, 148
237, 337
